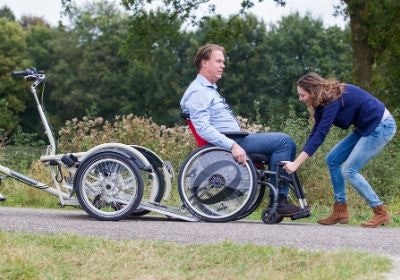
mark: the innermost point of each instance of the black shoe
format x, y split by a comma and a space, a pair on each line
285, 209
2, 198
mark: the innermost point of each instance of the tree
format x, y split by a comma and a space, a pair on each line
375, 26
298, 45
12, 56
156, 49
6, 12
89, 71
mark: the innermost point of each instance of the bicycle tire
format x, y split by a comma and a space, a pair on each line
108, 186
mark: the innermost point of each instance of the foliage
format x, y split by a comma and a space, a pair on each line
20, 138
90, 71
298, 45
374, 26
81, 135
157, 59
12, 54
6, 12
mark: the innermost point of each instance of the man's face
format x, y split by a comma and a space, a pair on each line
213, 68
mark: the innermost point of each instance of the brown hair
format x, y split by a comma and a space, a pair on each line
322, 90
204, 53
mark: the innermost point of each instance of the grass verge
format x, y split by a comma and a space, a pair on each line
31, 256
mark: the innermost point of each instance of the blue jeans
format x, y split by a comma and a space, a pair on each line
351, 154
276, 145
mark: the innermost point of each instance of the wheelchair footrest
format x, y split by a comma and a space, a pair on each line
303, 213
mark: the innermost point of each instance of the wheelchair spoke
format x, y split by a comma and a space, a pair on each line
214, 187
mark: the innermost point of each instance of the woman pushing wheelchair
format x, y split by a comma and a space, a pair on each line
334, 103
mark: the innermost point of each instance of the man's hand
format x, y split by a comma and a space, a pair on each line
239, 154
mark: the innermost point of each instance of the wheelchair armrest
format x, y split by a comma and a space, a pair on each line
184, 116
236, 134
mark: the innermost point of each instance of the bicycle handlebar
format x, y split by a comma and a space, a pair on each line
27, 72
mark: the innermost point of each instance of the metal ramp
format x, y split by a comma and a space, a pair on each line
168, 210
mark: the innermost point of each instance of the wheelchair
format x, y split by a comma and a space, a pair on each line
215, 188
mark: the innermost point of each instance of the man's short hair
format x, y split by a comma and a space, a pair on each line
204, 53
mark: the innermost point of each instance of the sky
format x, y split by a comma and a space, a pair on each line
268, 10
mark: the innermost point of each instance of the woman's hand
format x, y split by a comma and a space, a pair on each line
290, 166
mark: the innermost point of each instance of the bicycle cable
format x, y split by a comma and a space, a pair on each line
59, 176
42, 97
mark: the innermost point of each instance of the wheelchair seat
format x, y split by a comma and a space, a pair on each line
258, 159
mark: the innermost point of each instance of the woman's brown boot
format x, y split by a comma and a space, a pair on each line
339, 215
381, 217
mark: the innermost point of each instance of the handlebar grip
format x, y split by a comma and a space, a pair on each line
26, 72
19, 73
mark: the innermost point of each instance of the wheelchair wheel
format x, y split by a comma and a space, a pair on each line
154, 189
257, 201
108, 186
214, 187
269, 217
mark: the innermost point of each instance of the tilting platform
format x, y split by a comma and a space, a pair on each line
169, 211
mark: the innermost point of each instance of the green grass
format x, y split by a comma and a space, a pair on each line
31, 256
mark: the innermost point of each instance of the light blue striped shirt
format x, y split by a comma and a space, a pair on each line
209, 113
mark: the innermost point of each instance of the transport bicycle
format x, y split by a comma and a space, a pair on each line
108, 181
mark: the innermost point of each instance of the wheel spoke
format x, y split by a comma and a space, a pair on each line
109, 186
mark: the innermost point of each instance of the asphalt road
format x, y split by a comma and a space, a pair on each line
383, 240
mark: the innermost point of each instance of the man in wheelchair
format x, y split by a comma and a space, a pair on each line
211, 117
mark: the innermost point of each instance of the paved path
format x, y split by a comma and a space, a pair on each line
384, 240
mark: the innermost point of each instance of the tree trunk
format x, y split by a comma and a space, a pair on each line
362, 53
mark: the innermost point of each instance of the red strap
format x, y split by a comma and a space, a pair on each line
200, 141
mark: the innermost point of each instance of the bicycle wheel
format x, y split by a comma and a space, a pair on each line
214, 187
154, 188
108, 186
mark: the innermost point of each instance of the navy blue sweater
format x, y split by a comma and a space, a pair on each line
355, 107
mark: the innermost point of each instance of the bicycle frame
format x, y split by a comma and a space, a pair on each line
63, 186
64, 197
